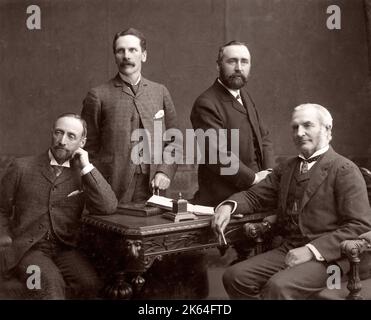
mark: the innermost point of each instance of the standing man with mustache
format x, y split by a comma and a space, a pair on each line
228, 105
114, 110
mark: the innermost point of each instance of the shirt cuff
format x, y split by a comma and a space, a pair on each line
316, 253
255, 180
232, 202
86, 169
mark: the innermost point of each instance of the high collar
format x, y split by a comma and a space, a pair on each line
126, 79
54, 162
317, 153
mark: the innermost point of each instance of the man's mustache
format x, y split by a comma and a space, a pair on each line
237, 75
60, 148
127, 63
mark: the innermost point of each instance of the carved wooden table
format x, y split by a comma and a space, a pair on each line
127, 245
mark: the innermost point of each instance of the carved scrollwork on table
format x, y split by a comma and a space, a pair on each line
169, 243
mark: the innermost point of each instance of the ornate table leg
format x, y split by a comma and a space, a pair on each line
119, 289
129, 282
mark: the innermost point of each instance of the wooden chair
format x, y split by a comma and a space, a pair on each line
10, 288
353, 286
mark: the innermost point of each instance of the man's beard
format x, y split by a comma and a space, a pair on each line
61, 154
235, 81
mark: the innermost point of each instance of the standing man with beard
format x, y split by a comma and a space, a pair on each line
227, 105
116, 109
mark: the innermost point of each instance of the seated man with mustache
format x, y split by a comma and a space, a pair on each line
41, 202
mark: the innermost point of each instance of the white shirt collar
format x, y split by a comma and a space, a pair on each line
126, 79
317, 153
234, 93
54, 162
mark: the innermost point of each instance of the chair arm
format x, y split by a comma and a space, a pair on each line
257, 230
352, 249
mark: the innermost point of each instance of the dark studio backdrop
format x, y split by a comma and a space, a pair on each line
295, 59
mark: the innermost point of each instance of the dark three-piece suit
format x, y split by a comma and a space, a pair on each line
38, 208
332, 207
216, 108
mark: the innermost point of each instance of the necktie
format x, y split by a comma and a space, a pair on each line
304, 167
238, 97
57, 170
132, 87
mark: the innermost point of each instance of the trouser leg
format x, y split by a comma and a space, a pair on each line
298, 282
244, 280
78, 273
52, 285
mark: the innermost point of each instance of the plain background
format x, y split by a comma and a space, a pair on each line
295, 59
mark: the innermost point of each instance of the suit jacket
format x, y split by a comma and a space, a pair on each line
105, 110
334, 207
216, 108
31, 196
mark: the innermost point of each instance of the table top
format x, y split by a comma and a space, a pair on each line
134, 225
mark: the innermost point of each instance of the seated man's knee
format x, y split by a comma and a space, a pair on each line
276, 288
229, 277
238, 283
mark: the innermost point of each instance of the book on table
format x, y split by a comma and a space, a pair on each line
167, 204
139, 209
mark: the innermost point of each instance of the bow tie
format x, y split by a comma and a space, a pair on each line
304, 168
311, 159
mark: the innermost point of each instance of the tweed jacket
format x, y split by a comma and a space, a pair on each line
217, 109
106, 110
32, 198
334, 207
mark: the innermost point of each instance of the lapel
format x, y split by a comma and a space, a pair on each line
45, 168
145, 110
146, 106
142, 87
228, 99
286, 180
66, 174
118, 82
47, 171
319, 174
250, 107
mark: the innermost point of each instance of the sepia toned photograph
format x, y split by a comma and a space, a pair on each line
185, 150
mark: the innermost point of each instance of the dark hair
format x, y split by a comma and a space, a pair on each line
133, 32
231, 43
76, 116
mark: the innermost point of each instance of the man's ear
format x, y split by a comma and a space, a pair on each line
144, 56
217, 67
82, 142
